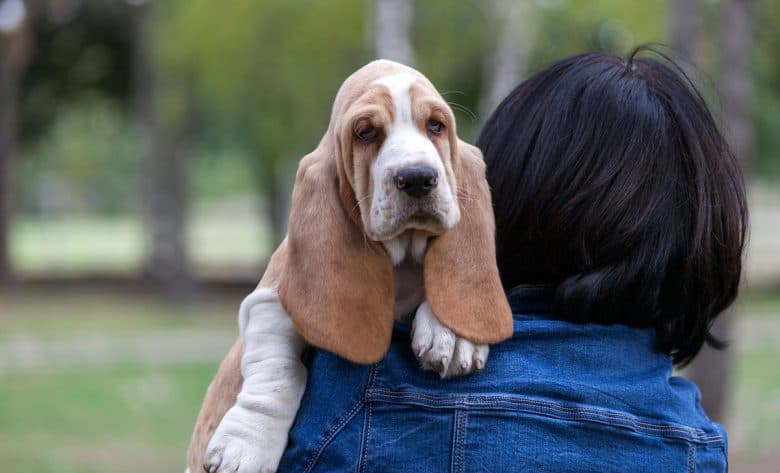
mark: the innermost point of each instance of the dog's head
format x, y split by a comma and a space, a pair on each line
390, 163
397, 147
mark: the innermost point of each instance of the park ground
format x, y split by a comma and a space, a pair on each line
99, 377
112, 381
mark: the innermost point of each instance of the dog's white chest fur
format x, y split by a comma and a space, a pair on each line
407, 252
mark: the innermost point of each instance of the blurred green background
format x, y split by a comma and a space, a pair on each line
146, 158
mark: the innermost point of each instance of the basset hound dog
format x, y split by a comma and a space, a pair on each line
391, 219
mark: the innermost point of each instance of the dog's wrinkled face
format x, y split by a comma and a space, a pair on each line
402, 140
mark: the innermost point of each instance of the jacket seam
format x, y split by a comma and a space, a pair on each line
458, 440
367, 422
335, 430
330, 435
551, 409
691, 458
367, 435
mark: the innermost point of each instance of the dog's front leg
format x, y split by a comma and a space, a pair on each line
253, 434
439, 349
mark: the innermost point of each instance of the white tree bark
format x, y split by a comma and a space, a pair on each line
392, 30
507, 62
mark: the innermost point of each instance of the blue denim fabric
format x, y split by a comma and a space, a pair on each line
556, 397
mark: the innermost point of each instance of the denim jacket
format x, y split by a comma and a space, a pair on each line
556, 397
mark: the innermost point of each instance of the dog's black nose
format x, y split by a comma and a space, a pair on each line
417, 182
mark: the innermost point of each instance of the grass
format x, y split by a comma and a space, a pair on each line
77, 245
44, 313
219, 235
134, 416
115, 419
756, 400
90, 418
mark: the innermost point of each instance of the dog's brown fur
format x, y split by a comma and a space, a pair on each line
335, 283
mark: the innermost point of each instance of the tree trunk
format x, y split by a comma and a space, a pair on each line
392, 28
507, 61
15, 49
685, 28
164, 175
166, 184
735, 77
710, 370
7, 145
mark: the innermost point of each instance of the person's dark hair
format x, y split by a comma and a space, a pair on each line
612, 182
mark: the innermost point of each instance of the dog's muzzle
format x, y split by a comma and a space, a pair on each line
416, 182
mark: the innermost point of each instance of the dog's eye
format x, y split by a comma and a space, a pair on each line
367, 135
435, 127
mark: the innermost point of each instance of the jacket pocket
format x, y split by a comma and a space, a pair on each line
402, 438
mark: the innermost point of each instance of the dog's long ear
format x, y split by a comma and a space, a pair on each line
461, 277
336, 285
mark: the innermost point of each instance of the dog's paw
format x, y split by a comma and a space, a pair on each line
439, 349
228, 453
244, 445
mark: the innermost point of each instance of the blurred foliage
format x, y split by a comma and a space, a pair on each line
87, 162
450, 44
85, 55
574, 27
256, 79
264, 72
766, 98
